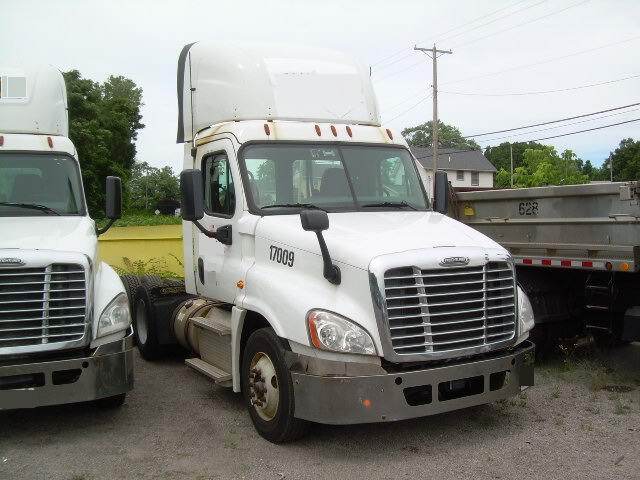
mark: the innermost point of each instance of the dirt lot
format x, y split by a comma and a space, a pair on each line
581, 420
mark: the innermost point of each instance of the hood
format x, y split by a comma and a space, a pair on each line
63, 234
355, 238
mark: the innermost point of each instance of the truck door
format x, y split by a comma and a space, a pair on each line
217, 264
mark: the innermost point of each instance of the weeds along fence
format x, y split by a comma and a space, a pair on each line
151, 250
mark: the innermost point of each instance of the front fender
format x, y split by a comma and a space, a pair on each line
284, 292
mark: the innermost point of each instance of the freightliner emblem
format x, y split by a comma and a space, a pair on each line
11, 262
454, 261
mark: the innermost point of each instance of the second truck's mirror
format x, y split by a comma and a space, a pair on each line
441, 200
113, 206
314, 220
113, 203
192, 208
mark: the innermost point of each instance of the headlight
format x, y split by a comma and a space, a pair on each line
329, 331
115, 316
525, 313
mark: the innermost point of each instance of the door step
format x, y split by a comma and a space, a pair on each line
214, 373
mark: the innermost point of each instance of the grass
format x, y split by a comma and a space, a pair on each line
153, 266
142, 220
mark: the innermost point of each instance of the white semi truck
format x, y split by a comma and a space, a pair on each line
320, 281
65, 333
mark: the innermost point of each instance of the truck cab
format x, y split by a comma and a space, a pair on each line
65, 332
323, 284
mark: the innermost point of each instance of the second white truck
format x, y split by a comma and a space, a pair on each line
321, 283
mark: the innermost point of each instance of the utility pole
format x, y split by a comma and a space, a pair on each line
610, 169
433, 53
511, 156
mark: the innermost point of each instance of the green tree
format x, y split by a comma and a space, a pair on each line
543, 166
625, 161
104, 119
500, 157
149, 185
448, 137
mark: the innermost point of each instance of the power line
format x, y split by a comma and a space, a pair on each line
553, 121
438, 36
582, 131
489, 140
388, 57
409, 109
444, 153
541, 92
493, 20
522, 24
542, 62
407, 55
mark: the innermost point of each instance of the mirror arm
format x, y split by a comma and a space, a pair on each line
100, 231
208, 233
331, 272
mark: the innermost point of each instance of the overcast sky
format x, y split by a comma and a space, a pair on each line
142, 40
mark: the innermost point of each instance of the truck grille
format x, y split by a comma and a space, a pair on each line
42, 305
450, 308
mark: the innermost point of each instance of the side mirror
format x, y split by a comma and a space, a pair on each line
441, 192
113, 207
113, 202
314, 220
317, 221
192, 207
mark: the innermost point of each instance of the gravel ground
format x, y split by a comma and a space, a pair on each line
575, 423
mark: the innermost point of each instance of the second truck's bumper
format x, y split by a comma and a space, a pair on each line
416, 393
107, 372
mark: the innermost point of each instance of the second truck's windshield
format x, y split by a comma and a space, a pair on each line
36, 185
332, 177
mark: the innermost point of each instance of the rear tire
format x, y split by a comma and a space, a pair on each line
110, 403
144, 327
268, 390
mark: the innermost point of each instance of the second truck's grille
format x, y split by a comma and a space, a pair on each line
42, 305
449, 308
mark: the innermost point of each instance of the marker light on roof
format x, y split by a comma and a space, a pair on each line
318, 130
50, 142
390, 134
349, 132
266, 129
334, 131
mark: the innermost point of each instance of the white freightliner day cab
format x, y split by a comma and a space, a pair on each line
322, 283
65, 333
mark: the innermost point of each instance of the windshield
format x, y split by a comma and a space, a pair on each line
332, 177
39, 184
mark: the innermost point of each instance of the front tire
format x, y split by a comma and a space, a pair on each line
267, 388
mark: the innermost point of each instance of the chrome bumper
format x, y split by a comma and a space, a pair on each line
409, 394
105, 373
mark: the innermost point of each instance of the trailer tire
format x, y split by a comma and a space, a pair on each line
144, 326
263, 359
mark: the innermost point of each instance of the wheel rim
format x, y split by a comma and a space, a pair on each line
264, 392
141, 322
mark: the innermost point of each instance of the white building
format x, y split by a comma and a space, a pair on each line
466, 169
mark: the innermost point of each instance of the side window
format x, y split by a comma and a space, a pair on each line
460, 175
475, 179
219, 195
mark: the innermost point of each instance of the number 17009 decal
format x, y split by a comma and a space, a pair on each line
280, 255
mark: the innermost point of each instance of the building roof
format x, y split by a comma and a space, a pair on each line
454, 159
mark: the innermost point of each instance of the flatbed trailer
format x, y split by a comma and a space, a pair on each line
576, 247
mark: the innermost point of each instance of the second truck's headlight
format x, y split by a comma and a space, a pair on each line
115, 317
329, 331
525, 313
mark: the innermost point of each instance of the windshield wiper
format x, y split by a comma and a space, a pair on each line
401, 204
294, 205
33, 206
